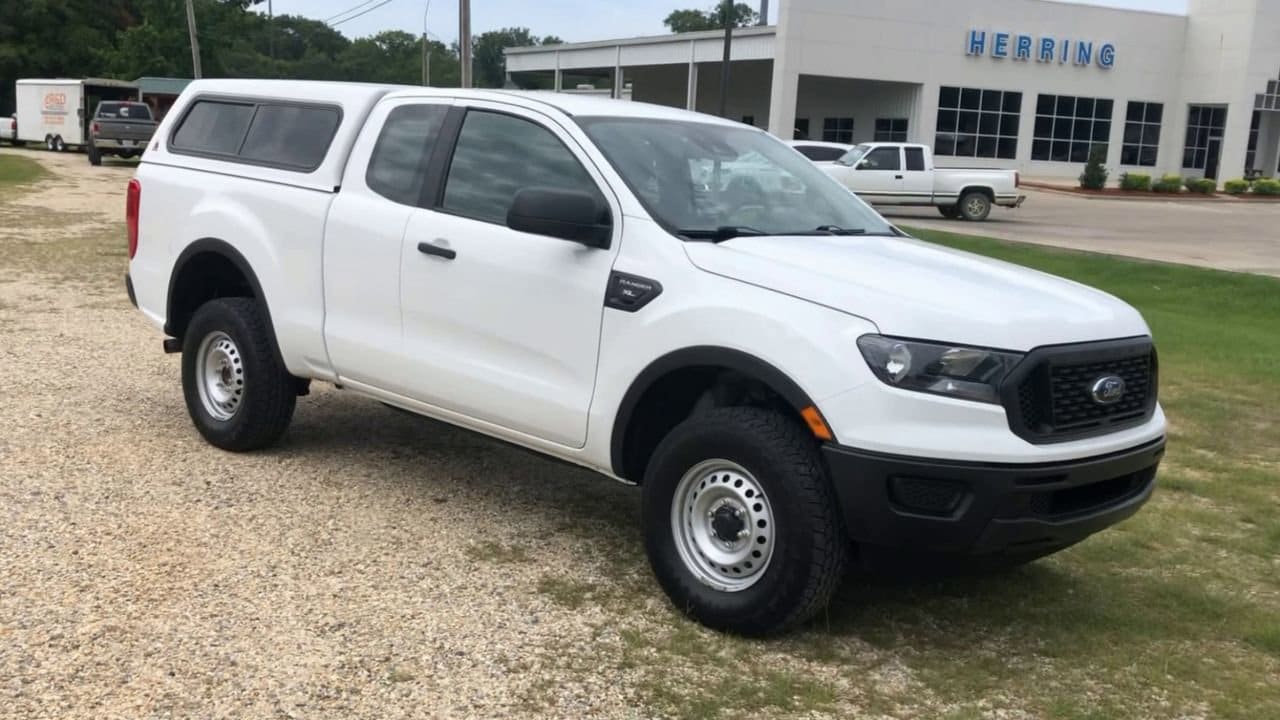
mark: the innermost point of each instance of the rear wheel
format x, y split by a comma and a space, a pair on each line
58, 145
975, 206
948, 211
238, 393
48, 143
95, 157
740, 522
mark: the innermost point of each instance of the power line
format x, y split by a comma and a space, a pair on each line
350, 9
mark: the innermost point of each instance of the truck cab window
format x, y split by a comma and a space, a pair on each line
399, 158
915, 159
883, 158
498, 155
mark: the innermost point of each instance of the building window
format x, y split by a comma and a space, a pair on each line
977, 123
891, 130
1204, 124
1068, 127
1141, 134
1251, 153
802, 129
837, 130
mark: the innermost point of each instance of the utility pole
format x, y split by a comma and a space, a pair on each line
727, 11
271, 31
764, 12
426, 52
195, 42
464, 40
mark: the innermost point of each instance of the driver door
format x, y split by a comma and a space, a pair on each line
878, 176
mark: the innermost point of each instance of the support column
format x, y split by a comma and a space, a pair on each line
1235, 139
1268, 156
559, 81
691, 88
782, 101
617, 74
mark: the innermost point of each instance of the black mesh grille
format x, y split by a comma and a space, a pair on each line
1054, 398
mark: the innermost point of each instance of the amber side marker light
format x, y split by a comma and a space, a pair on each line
817, 425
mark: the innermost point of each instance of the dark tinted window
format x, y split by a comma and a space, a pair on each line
915, 158
124, 111
396, 168
290, 135
214, 127
499, 155
883, 158
820, 153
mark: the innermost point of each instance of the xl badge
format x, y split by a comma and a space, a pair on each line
1107, 390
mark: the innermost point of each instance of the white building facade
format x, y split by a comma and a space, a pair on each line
1028, 84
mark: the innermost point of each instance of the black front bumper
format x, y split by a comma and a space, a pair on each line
976, 508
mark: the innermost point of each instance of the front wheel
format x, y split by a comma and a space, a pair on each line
975, 206
58, 144
238, 393
740, 521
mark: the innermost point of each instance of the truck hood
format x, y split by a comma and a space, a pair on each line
911, 288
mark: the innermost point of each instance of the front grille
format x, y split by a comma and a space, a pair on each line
1053, 400
1093, 497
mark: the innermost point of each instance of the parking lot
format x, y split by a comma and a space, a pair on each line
379, 565
1226, 234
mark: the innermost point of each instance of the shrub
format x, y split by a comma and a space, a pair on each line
1094, 176
1203, 186
1236, 187
1168, 184
1266, 186
1135, 181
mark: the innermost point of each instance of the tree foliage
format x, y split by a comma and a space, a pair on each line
128, 39
694, 20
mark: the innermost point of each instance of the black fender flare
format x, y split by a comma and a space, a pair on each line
217, 247
697, 356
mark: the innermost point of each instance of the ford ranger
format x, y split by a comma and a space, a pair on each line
786, 376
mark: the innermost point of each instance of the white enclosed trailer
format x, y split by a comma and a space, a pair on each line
56, 112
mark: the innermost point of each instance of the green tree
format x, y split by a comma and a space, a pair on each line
489, 62
680, 21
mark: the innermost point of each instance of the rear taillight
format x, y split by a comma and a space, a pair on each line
96, 128
1017, 179
13, 125
131, 205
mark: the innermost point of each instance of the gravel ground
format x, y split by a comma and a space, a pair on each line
375, 565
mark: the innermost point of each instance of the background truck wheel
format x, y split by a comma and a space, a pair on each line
58, 145
948, 211
975, 206
238, 394
740, 523
48, 143
95, 157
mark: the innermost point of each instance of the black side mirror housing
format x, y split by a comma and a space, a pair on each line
565, 214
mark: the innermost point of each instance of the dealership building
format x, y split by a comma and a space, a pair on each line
1028, 84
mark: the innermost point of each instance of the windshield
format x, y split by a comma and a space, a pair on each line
124, 111
852, 157
703, 180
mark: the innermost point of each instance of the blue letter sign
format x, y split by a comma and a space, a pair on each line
977, 42
1045, 49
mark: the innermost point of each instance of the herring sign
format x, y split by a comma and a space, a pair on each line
1026, 48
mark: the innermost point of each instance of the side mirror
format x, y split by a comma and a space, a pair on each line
563, 214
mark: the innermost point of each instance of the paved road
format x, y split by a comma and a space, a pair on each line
1225, 234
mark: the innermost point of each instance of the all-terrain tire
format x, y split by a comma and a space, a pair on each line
262, 394
975, 206
810, 548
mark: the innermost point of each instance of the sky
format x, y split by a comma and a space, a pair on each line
572, 20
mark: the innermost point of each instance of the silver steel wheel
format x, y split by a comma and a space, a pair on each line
975, 206
220, 376
723, 525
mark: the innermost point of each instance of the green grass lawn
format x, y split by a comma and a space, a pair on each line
18, 170
1174, 613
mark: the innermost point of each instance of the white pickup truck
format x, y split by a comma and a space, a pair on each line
904, 174
784, 374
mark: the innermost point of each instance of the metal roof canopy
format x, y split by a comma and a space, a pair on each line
749, 43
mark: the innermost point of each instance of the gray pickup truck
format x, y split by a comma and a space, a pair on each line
120, 128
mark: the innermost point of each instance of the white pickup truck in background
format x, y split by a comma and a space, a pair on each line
904, 174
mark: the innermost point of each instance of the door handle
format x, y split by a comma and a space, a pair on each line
427, 248
897, 177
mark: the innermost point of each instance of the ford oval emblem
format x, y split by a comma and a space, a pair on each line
1107, 390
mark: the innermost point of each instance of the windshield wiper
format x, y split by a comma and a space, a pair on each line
720, 234
837, 230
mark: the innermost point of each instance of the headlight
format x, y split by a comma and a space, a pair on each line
954, 371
